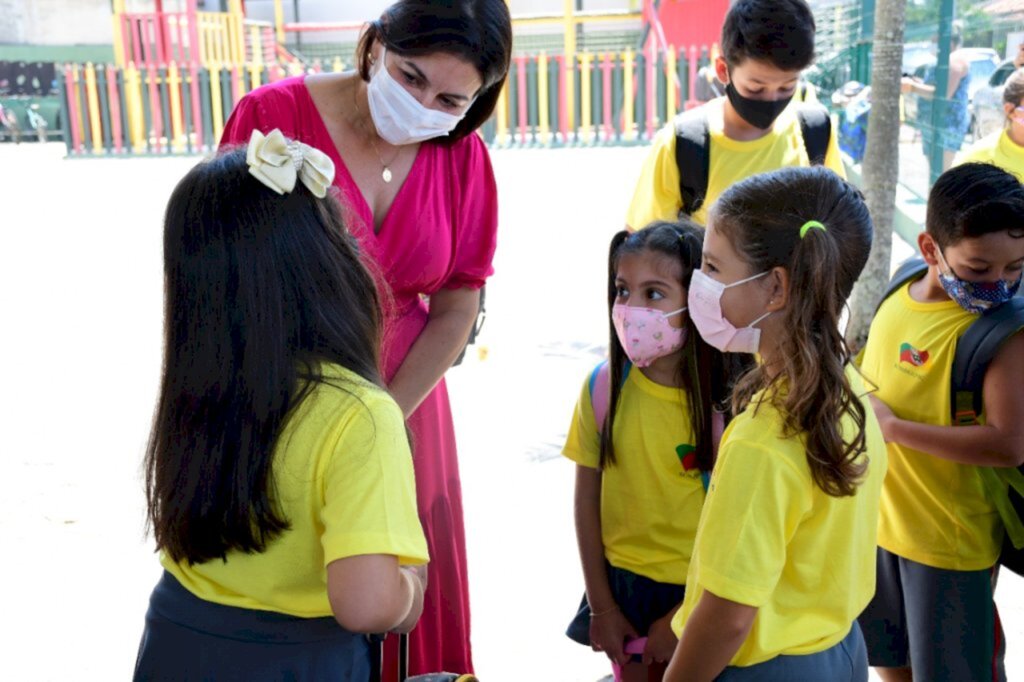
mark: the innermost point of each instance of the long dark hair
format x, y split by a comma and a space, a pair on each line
680, 243
762, 218
260, 289
477, 31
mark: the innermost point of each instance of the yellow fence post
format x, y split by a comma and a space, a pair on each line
174, 101
279, 21
337, 66
543, 115
256, 66
216, 101
119, 56
586, 115
93, 102
627, 95
133, 107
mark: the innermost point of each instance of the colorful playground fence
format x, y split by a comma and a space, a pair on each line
608, 98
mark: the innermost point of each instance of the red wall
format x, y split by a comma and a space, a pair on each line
691, 22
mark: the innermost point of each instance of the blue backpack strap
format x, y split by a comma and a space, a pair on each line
975, 351
693, 157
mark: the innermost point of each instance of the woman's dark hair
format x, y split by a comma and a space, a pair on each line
476, 31
1013, 89
972, 200
679, 244
778, 32
762, 218
260, 289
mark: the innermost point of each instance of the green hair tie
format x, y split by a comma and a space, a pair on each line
809, 225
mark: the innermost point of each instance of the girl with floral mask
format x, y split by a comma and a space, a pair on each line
420, 197
784, 553
1004, 147
641, 470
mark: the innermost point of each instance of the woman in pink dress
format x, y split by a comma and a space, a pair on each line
420, 197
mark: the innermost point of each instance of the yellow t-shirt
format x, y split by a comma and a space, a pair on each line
651, 497
934, 511
770, 538
997, 149
656, 196
343, 477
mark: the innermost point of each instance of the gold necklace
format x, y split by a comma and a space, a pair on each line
385, 173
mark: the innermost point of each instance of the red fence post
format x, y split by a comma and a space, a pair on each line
73, 110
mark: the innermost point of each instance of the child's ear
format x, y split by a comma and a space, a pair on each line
721, 69
778, 289
928, 248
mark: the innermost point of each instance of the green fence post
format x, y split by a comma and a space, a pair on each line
206, 106
554, 73
187, 124
513, 103
101, 86
531, 98
617, 95
941, 105
165, 109
126, 136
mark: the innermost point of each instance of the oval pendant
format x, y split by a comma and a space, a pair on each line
386, 174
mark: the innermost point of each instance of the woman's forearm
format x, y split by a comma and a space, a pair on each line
452, 314
711, 637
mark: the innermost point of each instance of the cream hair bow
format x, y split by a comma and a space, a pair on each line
277, 162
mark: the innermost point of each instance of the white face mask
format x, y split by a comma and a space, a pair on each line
705, 301
398, 116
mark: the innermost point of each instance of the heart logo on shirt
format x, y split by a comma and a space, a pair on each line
687, 455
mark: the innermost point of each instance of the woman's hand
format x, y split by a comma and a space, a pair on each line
661, 641
609, 632
452, 315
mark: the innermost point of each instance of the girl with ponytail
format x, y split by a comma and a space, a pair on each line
785, 549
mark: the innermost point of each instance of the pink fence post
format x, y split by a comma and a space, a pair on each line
73, 110
521, 103
115, 108
606, 92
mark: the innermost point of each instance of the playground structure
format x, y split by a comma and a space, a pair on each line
178, 72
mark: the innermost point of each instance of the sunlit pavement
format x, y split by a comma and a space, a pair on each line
80, 291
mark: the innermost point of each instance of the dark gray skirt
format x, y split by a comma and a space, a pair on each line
188, 638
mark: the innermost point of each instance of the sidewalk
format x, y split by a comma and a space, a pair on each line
81, 358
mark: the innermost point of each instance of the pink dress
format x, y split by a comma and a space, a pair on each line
439, 233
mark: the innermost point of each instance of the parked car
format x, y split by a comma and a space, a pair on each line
982, 62
987, 114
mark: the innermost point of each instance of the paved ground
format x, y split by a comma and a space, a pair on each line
80, 290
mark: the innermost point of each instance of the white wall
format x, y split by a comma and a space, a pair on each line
55, 22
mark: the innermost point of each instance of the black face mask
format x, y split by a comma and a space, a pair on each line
757, 112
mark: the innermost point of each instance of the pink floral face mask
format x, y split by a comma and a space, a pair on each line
645, 333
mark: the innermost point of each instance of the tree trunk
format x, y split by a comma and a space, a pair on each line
881, 164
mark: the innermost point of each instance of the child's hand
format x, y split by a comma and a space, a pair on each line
661, 641
886, 417
608, 633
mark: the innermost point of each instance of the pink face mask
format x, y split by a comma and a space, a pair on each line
705, 299
645, 333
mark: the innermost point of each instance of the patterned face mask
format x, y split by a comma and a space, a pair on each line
974, 297
645, 333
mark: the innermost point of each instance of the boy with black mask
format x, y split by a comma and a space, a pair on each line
766, 44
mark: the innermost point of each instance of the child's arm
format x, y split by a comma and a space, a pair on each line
608, 627
372, 593
997, 443
713, 634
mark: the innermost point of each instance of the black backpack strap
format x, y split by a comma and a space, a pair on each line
908, 270
693, 157
975, 351
816, 128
